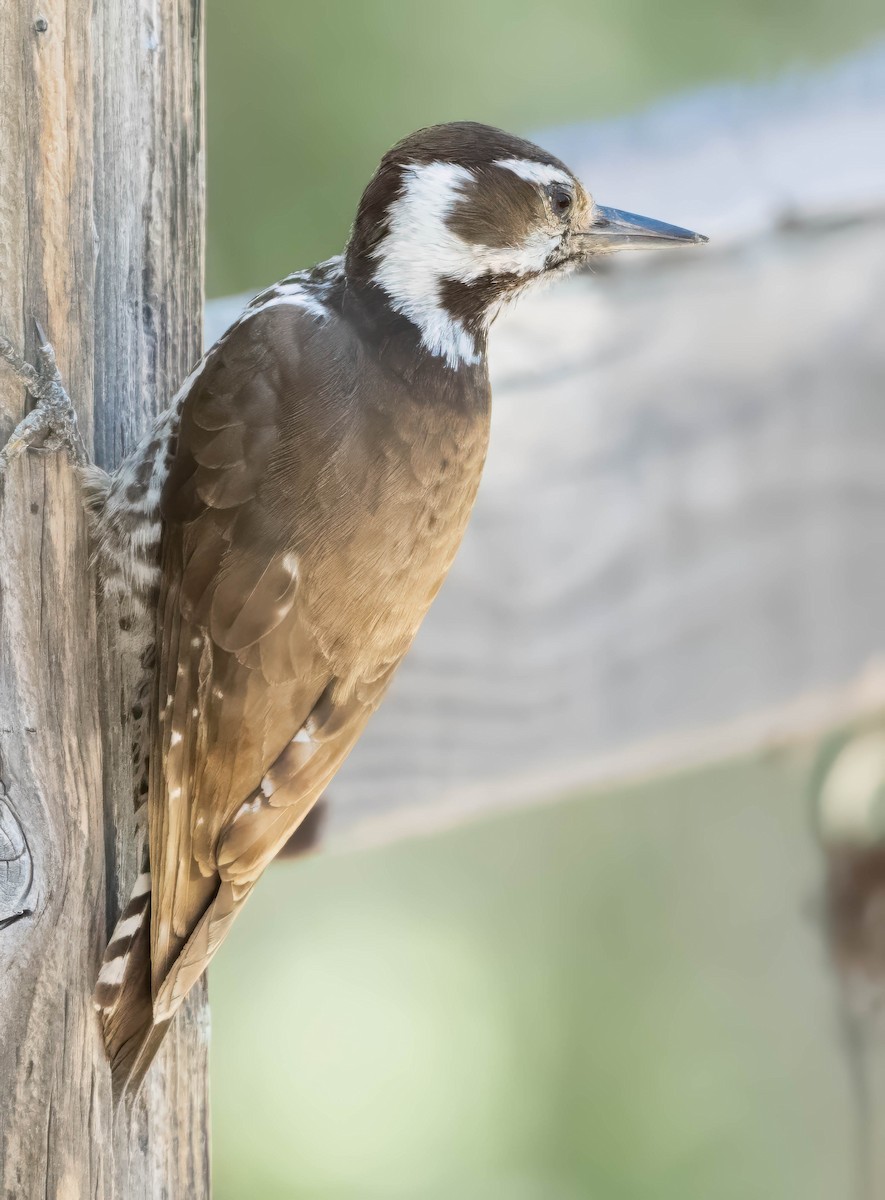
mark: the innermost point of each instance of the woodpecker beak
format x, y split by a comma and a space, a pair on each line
612, 229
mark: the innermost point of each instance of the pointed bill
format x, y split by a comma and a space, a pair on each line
614, 229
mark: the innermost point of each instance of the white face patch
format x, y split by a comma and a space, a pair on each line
535, 172
420, 250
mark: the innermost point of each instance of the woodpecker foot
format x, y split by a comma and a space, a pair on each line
52, 425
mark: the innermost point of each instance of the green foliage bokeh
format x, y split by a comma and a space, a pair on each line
304, 98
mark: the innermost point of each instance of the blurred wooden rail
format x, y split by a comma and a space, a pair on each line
681, 522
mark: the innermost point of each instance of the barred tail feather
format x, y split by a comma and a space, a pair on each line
115, 967
123, 993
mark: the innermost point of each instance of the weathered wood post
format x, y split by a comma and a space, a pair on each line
101, 236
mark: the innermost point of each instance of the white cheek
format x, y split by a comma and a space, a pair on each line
420, 250
527, 258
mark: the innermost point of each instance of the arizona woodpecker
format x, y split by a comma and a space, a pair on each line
291, 517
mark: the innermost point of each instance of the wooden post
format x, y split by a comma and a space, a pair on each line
101, 239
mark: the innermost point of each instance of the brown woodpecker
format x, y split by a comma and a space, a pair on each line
294, 513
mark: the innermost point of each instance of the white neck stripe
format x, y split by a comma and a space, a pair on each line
419, 250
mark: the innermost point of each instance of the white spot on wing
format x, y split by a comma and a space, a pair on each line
248, 806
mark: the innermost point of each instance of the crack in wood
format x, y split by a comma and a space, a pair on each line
5, 922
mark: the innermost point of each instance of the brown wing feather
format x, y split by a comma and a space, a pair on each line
307, 530
256, 832
239, 668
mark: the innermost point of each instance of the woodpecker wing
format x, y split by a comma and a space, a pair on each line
252, 718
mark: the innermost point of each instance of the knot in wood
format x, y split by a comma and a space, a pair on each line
16, 864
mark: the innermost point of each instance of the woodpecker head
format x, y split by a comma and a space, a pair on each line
461, 218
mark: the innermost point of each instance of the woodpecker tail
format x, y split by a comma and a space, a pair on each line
123, 994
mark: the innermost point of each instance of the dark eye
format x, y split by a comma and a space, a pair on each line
561, 201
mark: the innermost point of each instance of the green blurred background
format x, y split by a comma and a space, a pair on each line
621, 996
304, 98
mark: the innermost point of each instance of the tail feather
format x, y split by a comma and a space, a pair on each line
123, 994
198, 951
136, 916
136, 1012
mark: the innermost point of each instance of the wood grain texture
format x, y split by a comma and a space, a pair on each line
101, 225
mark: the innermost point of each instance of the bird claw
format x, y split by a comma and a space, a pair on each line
52, 424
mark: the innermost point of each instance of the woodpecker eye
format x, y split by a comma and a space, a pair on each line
561, 201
